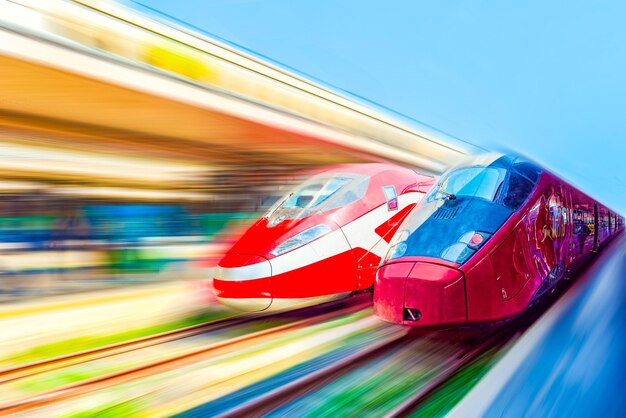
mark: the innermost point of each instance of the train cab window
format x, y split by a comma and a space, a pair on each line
315, 193
319, 194
517, 191
528, 170
481, 182
523, 177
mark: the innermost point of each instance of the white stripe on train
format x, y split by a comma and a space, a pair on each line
361, 233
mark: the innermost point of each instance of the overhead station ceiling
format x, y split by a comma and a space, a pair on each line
90, 111
91, 76
55, 110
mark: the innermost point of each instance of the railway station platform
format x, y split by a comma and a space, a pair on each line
571, 362
86, 316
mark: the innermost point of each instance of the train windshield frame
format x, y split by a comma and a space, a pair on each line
464, 209
321, 193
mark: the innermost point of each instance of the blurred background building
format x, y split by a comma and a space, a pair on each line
133, 149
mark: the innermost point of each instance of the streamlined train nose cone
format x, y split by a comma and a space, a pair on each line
389, 291
243, 282
420, 293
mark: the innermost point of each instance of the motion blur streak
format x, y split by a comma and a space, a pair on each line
248, 397
185, 387
375, 388
129, 37
134, 150
571, 363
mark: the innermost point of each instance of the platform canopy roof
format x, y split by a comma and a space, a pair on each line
98, 76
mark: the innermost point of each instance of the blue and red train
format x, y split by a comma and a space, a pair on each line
492, 235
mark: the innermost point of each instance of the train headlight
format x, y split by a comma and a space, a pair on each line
466, 246
301, 239
475, 239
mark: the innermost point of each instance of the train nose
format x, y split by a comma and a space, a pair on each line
420, 294
242, 281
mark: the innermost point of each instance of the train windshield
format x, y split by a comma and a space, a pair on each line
464, 209
322, 192
483, 182
315, 193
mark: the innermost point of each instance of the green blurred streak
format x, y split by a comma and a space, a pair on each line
65, 376
446, 398
130, 408
379, 394
79, 372
293, 336
59, 378
73, 345
374, 389
213, 223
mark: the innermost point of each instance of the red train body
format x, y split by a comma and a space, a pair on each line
489, 238
322, 241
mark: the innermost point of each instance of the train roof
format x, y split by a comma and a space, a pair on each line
369, 169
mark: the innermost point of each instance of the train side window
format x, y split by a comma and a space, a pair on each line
528, 170
582, 229
517, 191
391, 197
612, 220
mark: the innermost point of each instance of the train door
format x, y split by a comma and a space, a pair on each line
595, 227
511, 264
568, 228
604, 226
583, 226
556, 230
549, 254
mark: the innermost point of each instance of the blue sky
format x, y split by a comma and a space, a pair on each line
547, 79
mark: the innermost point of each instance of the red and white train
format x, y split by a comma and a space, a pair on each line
490, 237
322, 241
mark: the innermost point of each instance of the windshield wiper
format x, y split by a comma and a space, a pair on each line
278, 206
449, 196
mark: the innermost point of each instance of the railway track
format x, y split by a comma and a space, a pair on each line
273, 399
450, 369
471, 343
59, 394
22, 371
